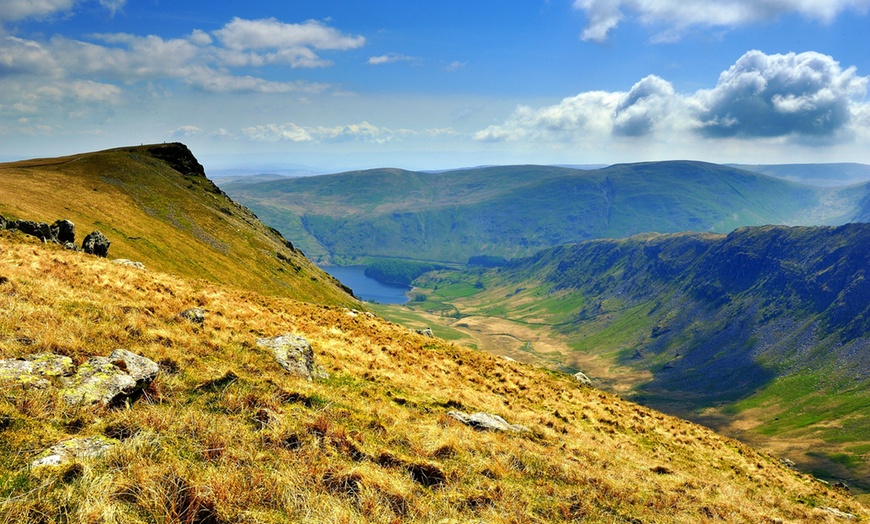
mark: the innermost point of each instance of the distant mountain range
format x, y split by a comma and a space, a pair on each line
513, 211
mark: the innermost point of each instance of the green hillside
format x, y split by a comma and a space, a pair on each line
514, 211
765, 330
157, 207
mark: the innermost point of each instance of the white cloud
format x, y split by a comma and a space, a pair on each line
789, 97
269, 33
362, 132
113, 6
389, 59
11, 10
605, 15
761, 95
196, 60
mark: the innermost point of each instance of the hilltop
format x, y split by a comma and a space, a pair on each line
762, 332
513, 211
157, 207
224, 434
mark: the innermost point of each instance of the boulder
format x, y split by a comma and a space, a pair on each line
35, 370
293, 354
128, 263
40, 230
2, 222
96, 243
63, 231
425, 332
110, 380
486, 421
583, 379
68, 451
195, 315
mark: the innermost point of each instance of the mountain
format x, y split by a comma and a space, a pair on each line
513, 211
223, 432
157, 207
764, 332
822, 175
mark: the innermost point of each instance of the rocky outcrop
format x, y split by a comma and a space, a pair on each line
196, 315
582, 379
427, 332
40, 230
97, 244
71, 450
63, 231
111, 380
294, 354
35, 371
486, 422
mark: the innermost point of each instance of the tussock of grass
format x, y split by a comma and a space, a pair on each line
225, 435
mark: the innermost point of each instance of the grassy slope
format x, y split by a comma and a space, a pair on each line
171, 221
224, 435
762, 330
515, 210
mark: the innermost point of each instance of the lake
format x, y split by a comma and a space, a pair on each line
367, 288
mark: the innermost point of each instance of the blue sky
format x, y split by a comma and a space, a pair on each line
334, 85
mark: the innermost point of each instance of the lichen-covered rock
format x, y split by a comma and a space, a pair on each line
63, 231
293, 354
583, 379
109, 380
73, 449
35, 370
194, 314
128, 263
486, 421
96, 243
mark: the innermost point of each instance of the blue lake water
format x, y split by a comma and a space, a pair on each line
366, 288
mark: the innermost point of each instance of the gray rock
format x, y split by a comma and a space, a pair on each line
96, 243
486, 421
63, 231
128, 263
68, 451
40, 230
109, 380
35, 370
582, 379
425, 332
194, 314
294, 354
2, 222
838, 513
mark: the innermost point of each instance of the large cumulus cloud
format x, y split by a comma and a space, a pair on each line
806, 95
778, 95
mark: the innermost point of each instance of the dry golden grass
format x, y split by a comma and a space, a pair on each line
225, 435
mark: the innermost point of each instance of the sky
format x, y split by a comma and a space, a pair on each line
332, 85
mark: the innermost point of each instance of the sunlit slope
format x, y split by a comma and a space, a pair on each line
156, 206
224, 434
766, 326
516, 210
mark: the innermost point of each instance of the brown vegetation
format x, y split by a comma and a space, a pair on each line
225, 435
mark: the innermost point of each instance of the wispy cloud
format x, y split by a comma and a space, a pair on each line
390, 58
676, 15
